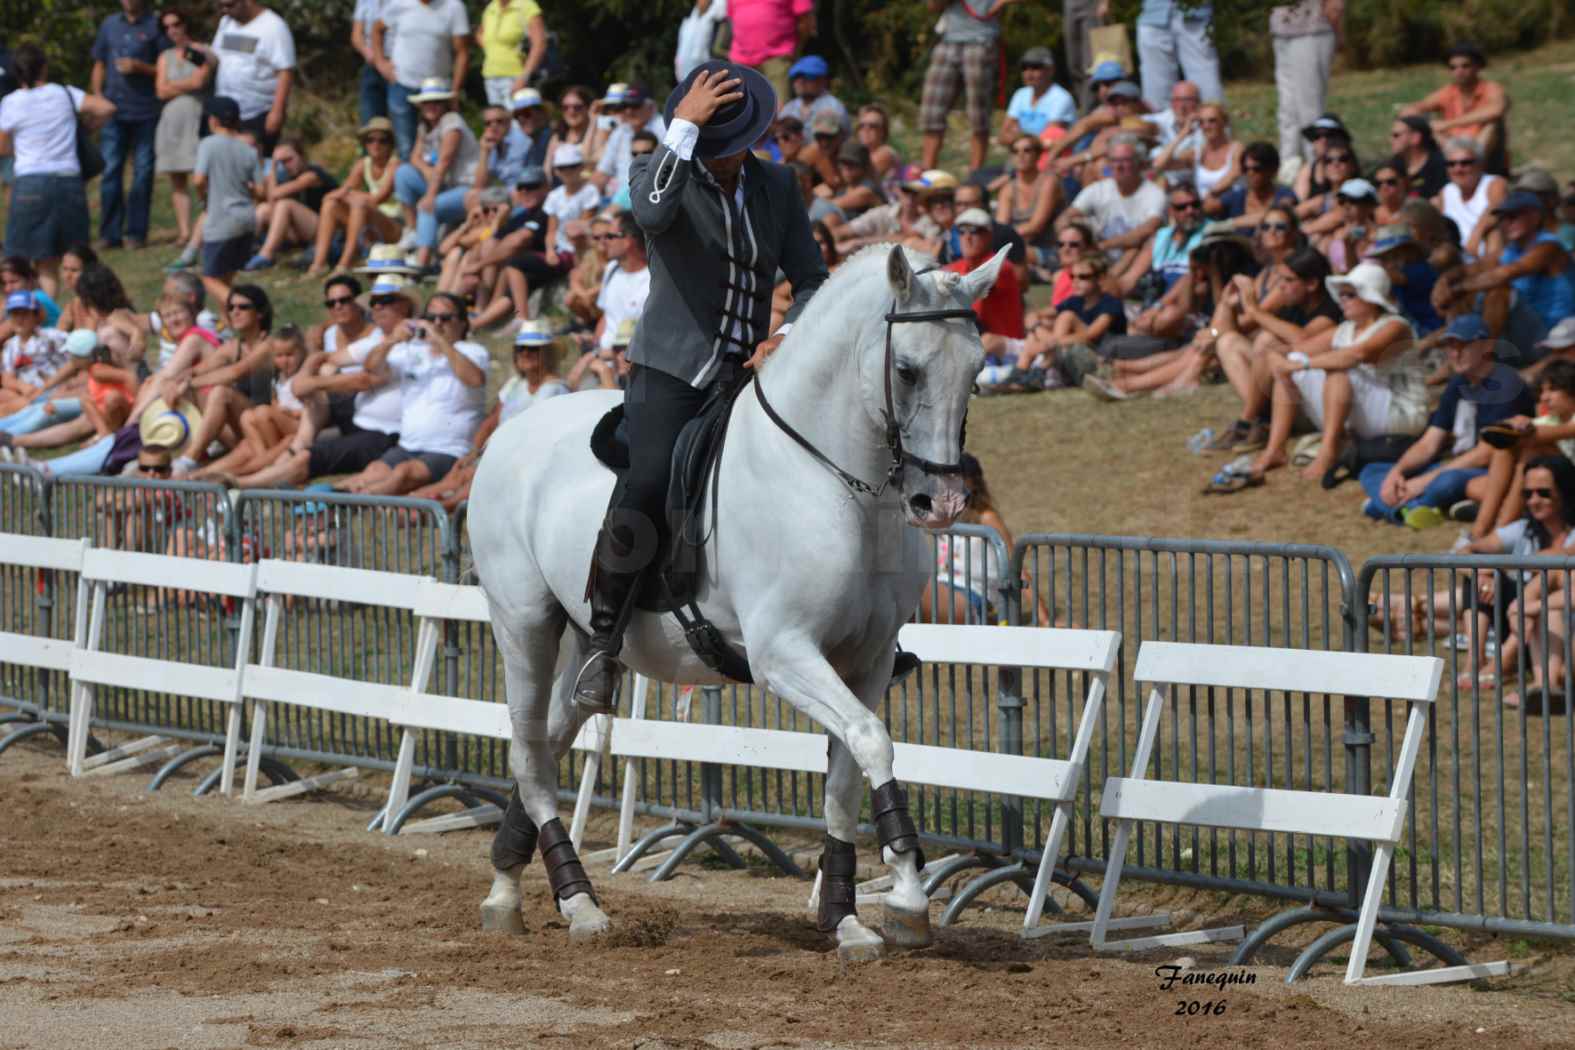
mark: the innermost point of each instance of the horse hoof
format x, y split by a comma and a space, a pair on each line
857, 943
906, 929
501, 919
586, 920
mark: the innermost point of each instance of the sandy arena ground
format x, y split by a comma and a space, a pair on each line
132, 921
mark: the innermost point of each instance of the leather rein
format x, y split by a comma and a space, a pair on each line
900, 456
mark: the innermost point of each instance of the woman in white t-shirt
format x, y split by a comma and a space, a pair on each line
442, 392
38, 127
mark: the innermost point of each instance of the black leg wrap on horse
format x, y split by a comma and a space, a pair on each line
893, 824
838, 895
565, 874
515, 841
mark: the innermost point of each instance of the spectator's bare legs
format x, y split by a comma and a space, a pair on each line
1284, 401
380, 479
218, 288
290, 470
221, 406
1337, 394
180, 203
1503, 469
931, 150
336, 213
291, 223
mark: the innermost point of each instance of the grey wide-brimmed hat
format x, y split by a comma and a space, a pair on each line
737, 126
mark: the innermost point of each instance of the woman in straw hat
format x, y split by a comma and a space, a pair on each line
432, 185
365, 202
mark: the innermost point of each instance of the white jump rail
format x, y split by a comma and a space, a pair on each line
90, 667
435, 604
1377, 819
47, 653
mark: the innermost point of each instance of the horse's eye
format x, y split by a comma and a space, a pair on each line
908, 374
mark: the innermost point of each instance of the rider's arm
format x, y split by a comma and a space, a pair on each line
662, 174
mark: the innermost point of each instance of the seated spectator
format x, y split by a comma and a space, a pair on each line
1471, 195
1164, 261
1449, 462
18, 275
530, 136
233, 378
1469, 107
1394, 189
585, 280
432, 185
1101, 113
607, 366
76, 258
1411, 276
809, 79
826, 141
514, 254
1216, 159
504, 146
1074, 240
365, 204
1347, 243
1320, 214
1313, 179
183, 341
625, 283
269, 428
1000, 312
1559, 345
631, 111
574, 122
1038, 104
1028, 199
967, 569
292, 197
858, 189
368, 425
1163, 127
901, 220
1257, 191
1363, 374
1417, 154
1123, 210
1550, 432
32, 356
873, 131
106, 402
226, 172
1089, 163
787, 140
101, 301
1533, 264
1057, 351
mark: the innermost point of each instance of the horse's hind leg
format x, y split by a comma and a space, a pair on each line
545, 722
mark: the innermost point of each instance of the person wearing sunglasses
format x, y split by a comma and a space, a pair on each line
233, 378
1416, 152
1471, 196
1469, 106
1394, 189
365, 205
873, 130
1320, 214
573, 124
809, 79
184, 71
1163, 262
1322, 135
1529, 281
1028, 200
1258, 190
1346, 245
442, 379
1039, 103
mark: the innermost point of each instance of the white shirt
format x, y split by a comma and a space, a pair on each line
618, 154
1165, 121
1112, 214
694, 36
418, 38
622, 298
42, 124
566, 208
36, 361
439, 413
251, 56
377, 409
516, 397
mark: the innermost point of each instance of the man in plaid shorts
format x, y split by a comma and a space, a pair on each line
970, 34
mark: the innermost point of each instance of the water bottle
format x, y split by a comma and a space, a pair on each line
1200, 441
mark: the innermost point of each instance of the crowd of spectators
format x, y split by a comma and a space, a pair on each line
1411, 316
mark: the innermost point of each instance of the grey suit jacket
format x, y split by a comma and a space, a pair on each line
712, 269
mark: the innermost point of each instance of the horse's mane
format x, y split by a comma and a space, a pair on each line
873, 257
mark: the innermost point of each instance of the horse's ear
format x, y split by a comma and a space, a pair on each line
977, 284
899, 274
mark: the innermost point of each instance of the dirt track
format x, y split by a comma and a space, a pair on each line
131, 921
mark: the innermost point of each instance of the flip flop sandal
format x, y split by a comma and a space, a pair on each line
1225, 483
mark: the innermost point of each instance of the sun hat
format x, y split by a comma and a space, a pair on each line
825, 124
82, 342
615, 93
1369, 281
1467, 328
1390, 238
1517, 201
931, 182
1535, 180
568, 155
1106, 68
493, 197
1037, 56
1124, 89
809, 66
525, 98
974, 217
1560, 337
1323, 125
736, 126
374, 126
391, 284
22, 300
625, 333
535, 332
161, 426
434, 89
1356, 190
386, 258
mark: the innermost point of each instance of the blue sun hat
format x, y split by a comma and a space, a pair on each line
313, 506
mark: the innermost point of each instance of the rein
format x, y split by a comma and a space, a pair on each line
900, 456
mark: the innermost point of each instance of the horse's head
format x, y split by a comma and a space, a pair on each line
933, 365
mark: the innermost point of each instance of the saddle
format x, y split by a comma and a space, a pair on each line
672, 583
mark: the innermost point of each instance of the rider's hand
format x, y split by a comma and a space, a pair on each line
710, 91
763, 351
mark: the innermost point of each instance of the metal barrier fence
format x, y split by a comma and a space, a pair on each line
1489, 841
1489, 838
1209, 592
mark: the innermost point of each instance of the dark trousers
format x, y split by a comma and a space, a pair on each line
122, 140
656, 408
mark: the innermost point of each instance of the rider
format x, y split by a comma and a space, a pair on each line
719, 224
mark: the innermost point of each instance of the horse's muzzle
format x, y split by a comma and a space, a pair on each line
935, 502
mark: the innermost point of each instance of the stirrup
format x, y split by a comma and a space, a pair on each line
596, 686
905, 664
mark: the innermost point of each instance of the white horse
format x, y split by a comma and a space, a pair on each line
813, 566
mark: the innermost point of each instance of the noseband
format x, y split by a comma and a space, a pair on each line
900, 456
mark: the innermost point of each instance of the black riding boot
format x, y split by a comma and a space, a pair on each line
611, 590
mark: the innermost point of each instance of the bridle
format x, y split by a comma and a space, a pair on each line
900, 456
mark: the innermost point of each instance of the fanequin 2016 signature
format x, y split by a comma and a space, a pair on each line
1171, 975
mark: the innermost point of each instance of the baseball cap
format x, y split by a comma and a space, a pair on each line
568, 155
23, 300
1037, 56
1518, 200
809, 66
1109, 69
1467, 328
531, 177
1323, 125
634, 94
1536, 180
1560, 337
1124, 89
974, 217
524, 98
82, 342
825, 124
225, 108
1356, 190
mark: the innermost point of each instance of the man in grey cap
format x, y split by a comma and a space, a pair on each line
1039, 103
